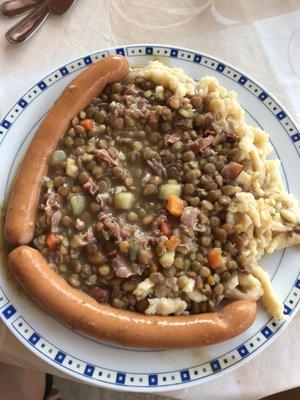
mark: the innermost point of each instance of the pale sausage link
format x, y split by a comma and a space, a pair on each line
81, 312
22, 206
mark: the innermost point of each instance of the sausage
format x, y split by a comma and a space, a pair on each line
81, 312
22, 206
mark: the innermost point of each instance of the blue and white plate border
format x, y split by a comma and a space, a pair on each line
167, 380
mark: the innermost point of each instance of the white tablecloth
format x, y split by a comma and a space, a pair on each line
260, 37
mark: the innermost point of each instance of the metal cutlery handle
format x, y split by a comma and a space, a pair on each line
28, 25
12, 8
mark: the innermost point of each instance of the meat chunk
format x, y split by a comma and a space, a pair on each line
91, 186
100, 295
157, 168
161, 225
55, 219
118, 230
171, 138
103, 155
232, 136
89, 236
185, 122
201, 144
131, 91
52, 203
231, 170
124, 268
189, 216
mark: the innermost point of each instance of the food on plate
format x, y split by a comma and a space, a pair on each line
79, 311
154, 201
22, 207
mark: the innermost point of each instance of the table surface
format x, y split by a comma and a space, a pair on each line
261, 37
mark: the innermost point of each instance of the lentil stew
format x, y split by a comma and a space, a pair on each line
134, 207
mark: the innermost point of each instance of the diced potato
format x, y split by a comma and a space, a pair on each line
57, 157
123, 200
167, 259
196, 296
188, 286
143, 289
71, 168
186, 113
77, 202
169, 188
165, 306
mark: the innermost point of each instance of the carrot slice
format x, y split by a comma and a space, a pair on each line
87, 124
172, 243
214, 257
52, 240
175, 205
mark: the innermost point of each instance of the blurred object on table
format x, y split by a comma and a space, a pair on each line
40, 9
292, 394
12, 8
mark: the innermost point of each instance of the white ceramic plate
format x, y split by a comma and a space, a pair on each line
107, 364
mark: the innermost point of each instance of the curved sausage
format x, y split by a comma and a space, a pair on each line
81, 312
22, 206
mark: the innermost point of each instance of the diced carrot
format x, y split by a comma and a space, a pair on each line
214, 258
172, 243
52, 240
87, 124
175, 205
165, 228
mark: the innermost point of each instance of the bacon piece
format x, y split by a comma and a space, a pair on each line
131, 91
171, 138
208, 132
125, 174
89, 236
142, 103
232, 170
238, 241
161, 225
52, 202
232, 136
55, 219
201, 144
189, 216
103, 155
91, 186
113, 227
185, 122
124, 268
157, 168
100, 295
